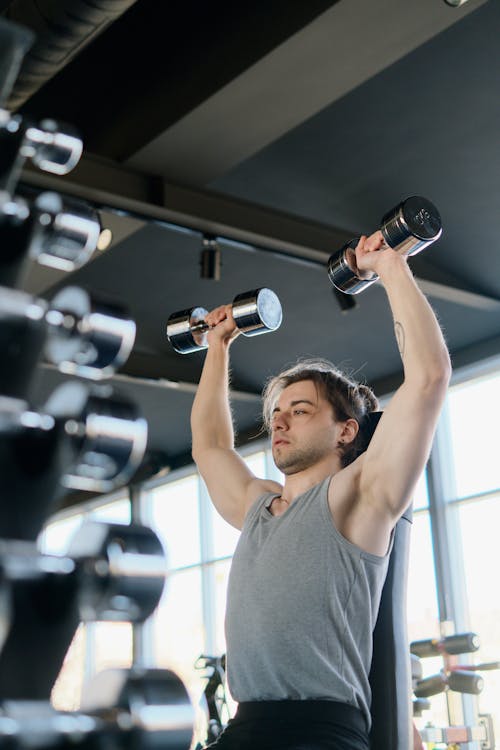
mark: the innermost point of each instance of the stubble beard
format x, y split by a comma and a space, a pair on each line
298, 459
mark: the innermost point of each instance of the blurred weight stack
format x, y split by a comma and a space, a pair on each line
86, 437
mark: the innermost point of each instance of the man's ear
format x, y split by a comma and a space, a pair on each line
350, 429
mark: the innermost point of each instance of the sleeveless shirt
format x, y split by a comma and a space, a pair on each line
301, 606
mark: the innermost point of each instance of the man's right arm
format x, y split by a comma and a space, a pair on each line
231, 485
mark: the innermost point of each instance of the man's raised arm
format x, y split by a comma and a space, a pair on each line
401, 444
231, 485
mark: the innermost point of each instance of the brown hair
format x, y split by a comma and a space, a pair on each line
348, 399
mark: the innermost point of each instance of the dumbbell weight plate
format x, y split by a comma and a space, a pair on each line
412, 225
86, 338
151, 704
257, 311
108, 439
185, 330
64, 233
53, 147
121, 571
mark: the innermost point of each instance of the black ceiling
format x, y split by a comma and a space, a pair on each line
283, 128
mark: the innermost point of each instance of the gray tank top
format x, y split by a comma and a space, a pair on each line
301, 608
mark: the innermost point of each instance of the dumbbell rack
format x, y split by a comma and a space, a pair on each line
454, 677
83, 437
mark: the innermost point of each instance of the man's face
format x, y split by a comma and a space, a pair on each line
303, 429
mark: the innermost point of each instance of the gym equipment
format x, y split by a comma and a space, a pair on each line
214, 695
131, 709
86, 337
461, 643
84, 438
78, 334
458, 681
53, 147
111, 572
121, 571
255, 312
411, 226
55, 232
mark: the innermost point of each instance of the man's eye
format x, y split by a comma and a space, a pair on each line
299, 411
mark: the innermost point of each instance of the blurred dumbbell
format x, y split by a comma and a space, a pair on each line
419, 705
121, 571
111, 572
83, 438
78, 334
459, 681
411, 226
53, 231
461, 643
87, 337
108, 438
255, 312
51, 146
120, 709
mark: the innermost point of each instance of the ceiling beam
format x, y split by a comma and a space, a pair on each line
111, 187
342, 48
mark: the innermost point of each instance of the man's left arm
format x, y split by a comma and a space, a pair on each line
400, 447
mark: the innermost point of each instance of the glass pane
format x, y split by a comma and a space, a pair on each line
117, 511
178, 630
422, 607
221, 579
480, 522
172, 510
422, 610
225, 536
421, 494
475, 458
55, 538
221, 576
67, 691
111, 645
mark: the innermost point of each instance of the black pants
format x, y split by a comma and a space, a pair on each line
294, 725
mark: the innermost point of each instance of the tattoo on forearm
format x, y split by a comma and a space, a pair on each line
400, 337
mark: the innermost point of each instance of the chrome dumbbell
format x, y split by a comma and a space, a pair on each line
121, 571
55, 232
411, 226
86, 337
133, 709
78, 334
255, 312
107, 437
53, 147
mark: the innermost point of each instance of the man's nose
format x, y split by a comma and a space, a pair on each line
280, 422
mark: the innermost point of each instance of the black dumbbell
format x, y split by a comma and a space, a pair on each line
55, 232
411, 226
51, 146
121, 571
460, 681
107, 437
86, 337
78, 334
461, 643
130, 709
255, 312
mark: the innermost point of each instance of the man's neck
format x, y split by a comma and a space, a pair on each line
297, 484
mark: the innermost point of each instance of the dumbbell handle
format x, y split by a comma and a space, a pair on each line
200, 327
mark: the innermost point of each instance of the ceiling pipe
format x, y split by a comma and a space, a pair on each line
62, 29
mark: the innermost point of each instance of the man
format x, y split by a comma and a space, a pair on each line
308, 571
